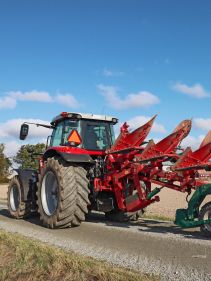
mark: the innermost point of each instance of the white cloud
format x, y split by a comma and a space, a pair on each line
10, 99
193, 142
7, 102
67, 100
11, 128
138, 121
111, 73
156, 140
141, 99
30, 96
11, 148
201, 123
196, 91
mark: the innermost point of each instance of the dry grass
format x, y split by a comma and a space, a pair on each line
22, 259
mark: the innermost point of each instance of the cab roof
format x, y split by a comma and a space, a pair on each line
87, 116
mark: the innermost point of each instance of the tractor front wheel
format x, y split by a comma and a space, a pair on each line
62, 194
205, 214
17, 208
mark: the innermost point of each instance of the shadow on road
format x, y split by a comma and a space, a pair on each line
150, 226
34, 219
142, 225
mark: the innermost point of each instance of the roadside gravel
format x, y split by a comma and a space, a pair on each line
149, 246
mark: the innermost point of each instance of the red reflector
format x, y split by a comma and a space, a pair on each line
74, 137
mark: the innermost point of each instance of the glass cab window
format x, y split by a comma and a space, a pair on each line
70, 125
97, 135
62, 131
112, 135
56, 138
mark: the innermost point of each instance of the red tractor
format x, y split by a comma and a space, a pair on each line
84, 168
64, 187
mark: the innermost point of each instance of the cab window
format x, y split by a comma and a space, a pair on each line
70, 125
112, 135
62, 131
96, 136
56, 138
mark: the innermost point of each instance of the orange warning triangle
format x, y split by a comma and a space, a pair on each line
74, 137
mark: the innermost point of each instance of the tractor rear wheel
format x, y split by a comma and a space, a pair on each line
17, 208
121, 216
205, 214
62, 194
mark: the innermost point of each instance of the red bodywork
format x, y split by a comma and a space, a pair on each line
70, 150
77, 150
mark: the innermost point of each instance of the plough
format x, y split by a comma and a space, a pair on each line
84, 168
143, 167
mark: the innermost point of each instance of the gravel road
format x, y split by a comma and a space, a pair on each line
149, 246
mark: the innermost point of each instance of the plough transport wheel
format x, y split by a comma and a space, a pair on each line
62, 194
205, 214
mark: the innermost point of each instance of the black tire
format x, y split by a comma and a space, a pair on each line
205, 211
72, 194
17, 208
121, 216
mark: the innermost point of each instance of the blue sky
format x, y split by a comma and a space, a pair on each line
131, 59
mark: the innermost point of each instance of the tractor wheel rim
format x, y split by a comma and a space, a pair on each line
14, 197
49, 193
207, 216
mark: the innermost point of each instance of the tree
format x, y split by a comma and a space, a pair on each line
28, 155
5, 164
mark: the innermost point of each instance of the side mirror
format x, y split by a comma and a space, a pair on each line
24, 131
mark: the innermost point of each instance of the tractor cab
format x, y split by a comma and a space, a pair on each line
86, 131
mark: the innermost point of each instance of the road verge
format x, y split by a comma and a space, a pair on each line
24, 259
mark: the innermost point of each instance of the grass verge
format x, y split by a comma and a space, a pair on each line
22, 259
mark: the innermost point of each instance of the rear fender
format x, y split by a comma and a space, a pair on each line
69, 157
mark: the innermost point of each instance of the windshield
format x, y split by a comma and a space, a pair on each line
63, 130
70, 125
